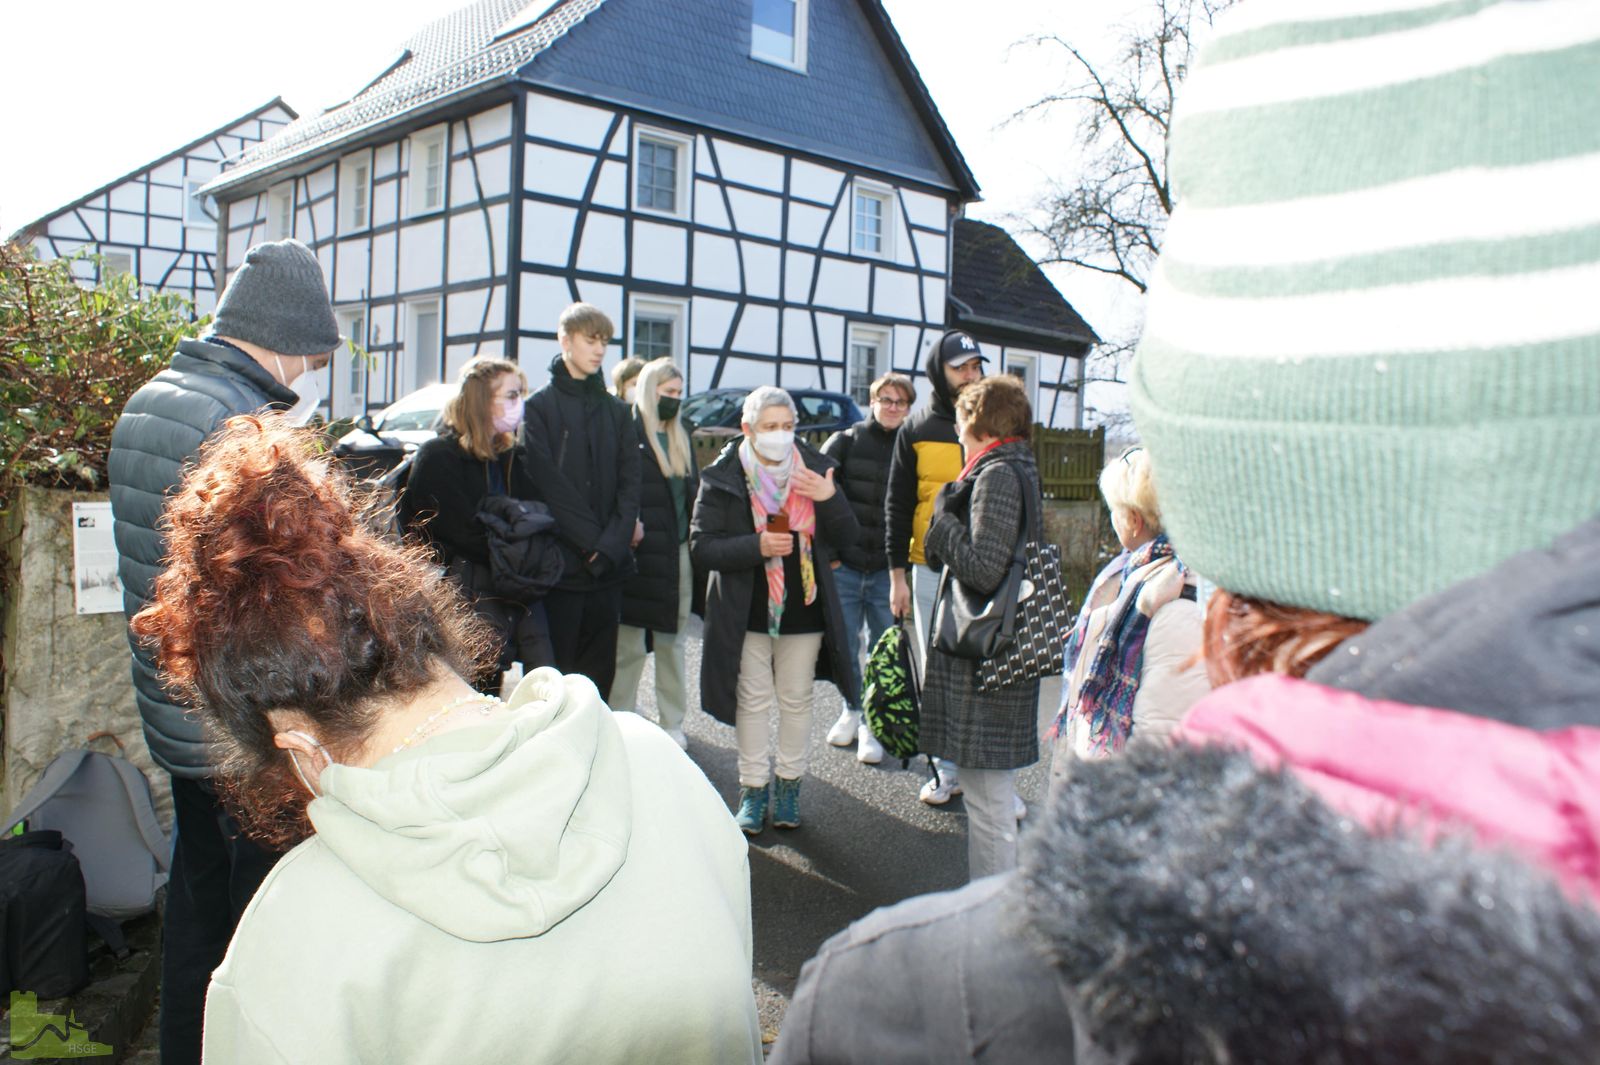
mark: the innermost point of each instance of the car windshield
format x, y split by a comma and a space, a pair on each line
417, 411
715, 410
409, 419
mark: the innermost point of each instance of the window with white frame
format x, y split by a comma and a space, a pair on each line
659, 329
427, 170
871, 219
1026, 369
355, 191
280, 213
866, 360
422, 343
199, 212
353, 324
778, 32
114, 262
662, 166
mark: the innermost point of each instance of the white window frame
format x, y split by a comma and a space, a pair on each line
352, 368
860, 335
1031, 381
684, 183
417, 147
351, 185
802, 20
661, 308
111, 255
415, 310
862, 188
280, 212
193, 216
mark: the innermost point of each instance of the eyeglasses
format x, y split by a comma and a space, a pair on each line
892, 404
1127, 456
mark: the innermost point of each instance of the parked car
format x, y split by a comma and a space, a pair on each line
380, 442
717, 413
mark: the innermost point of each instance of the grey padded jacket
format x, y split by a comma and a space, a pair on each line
160, 431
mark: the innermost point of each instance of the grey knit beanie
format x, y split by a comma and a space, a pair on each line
278, 300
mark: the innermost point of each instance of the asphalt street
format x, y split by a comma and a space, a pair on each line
865, 839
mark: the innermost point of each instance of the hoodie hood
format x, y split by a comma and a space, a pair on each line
491, 832
942, 402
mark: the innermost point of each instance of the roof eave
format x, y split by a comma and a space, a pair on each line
966, 316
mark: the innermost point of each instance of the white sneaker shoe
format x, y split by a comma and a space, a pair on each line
868, 750
1022, 807
683, 741
843, 732
937, 793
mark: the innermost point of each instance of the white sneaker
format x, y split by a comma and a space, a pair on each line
868, 750
937, 793
1022, 807
843, 732
683, 741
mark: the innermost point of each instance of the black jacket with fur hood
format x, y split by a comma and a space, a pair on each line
1185, 905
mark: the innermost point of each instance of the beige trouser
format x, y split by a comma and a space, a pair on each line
670, 702
775, 673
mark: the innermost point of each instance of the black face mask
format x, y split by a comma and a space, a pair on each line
667, 407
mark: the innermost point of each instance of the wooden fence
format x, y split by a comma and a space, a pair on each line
1070, 461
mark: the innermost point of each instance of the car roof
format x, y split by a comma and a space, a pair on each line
428, 397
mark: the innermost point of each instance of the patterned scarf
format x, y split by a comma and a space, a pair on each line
769, 493
1145, 581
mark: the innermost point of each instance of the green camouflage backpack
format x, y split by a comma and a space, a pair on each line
890, 695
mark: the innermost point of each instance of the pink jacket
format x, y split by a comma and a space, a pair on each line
1384, 763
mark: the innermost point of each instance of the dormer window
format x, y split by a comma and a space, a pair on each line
426, 172
778, 32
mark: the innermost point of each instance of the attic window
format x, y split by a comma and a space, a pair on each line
529, 15
778, 32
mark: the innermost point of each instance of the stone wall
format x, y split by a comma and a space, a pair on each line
67, 676
1078, 528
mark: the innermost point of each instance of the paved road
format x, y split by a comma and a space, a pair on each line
865, 839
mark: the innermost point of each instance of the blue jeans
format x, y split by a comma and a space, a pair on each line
862, 596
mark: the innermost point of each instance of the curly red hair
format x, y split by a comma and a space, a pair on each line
278, 596
1244, 636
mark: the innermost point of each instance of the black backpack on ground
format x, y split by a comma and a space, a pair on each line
43, 916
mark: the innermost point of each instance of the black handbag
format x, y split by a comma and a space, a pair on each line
1018, 632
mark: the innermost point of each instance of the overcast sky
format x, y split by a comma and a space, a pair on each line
92, 89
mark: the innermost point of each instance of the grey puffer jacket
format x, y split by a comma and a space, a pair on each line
160, 430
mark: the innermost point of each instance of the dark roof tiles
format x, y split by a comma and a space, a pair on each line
997, 285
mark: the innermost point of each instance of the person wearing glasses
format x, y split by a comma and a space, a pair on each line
1133, 664
861, 572
478, 453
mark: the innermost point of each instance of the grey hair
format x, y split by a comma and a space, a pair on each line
762, 398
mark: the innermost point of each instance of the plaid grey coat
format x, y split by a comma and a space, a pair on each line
973, 535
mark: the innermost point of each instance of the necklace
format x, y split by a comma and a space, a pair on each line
489, 704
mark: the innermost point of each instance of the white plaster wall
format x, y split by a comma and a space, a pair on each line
756, 213
798, 340
809, 181
709, 210
799, 268
927, 211
490, 126
896, 293
709, 322
556, 171
716, 262
478, 247
612, 188
557, 119
750, 166
660, 252
758, 330
842, 284
604, 244
421, 249
383, 263
547, 232
544, 297
761, 269
607, 297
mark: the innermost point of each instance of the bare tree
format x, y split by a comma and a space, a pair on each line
1111, 218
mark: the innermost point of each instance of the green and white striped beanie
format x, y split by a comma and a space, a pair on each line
1371, 360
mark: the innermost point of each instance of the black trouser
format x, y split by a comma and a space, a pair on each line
215, 872
583, 631
524, 635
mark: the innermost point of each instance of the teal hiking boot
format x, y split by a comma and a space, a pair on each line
785, 803
752, 815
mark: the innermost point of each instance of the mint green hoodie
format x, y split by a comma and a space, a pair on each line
558, 884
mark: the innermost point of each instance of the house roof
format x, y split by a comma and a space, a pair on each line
32, 229
705, 82
996, 287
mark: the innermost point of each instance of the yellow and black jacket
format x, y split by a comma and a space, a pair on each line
927, 456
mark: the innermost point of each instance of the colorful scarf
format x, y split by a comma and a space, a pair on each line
769, 493
1146, 580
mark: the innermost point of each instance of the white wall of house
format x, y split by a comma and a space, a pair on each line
151, 225
1051, 381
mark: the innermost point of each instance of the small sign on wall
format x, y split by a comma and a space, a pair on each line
94, 560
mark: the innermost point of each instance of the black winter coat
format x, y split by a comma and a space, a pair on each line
160, 430
580, 445
650, 598
863, 452
723, 541
444, 491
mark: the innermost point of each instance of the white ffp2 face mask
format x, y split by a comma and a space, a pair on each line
774, 446
308, 393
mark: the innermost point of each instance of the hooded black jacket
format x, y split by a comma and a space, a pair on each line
863, 452
582, 454
927, 456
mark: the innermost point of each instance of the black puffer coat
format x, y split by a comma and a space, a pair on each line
446, 487
160, 430
723, 541
650, 598
863, 452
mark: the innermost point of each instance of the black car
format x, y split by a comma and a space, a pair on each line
718, 412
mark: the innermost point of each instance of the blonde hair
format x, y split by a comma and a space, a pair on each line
623, 372
470, 411
587, 319
1128, 486
674, 461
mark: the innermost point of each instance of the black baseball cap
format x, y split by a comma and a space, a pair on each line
958, 349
